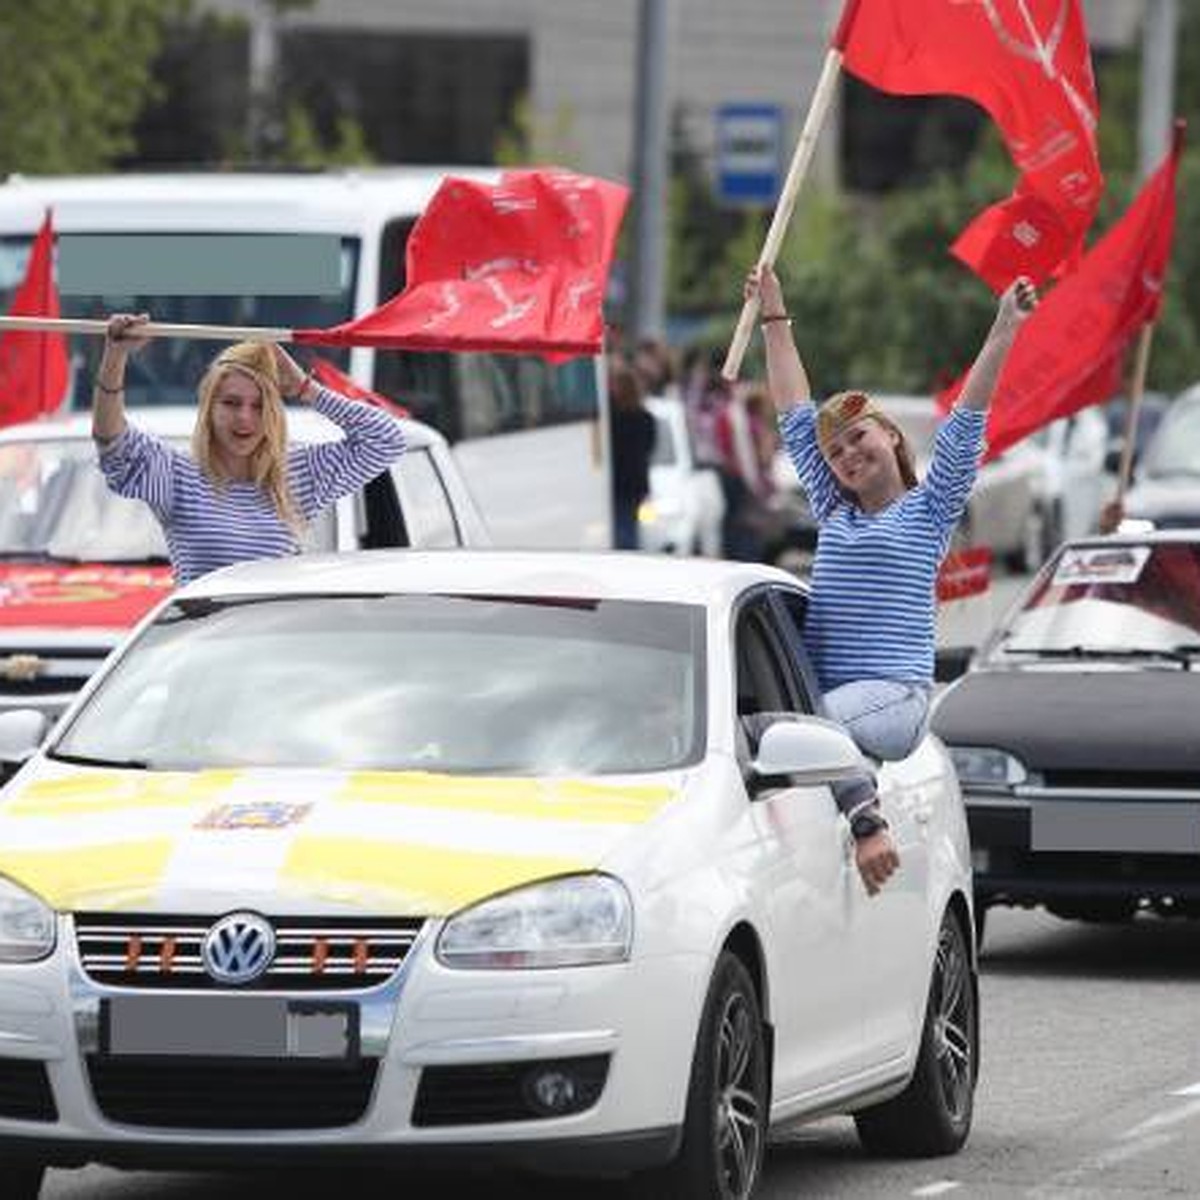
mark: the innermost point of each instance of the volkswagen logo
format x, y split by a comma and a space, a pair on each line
238, 948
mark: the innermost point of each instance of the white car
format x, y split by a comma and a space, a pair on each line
685, 508
531, 855
79, 565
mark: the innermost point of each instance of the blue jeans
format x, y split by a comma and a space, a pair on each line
887, 719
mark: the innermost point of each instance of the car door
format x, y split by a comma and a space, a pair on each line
801, 876
888, 931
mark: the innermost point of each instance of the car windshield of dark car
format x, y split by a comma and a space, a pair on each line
1126, 599
1175, 450
431, 683
54, 504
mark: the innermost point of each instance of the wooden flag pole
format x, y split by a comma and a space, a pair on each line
1137, 389
801, 158
95, 326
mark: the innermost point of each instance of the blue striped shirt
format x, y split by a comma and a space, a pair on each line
871, 612
209, 525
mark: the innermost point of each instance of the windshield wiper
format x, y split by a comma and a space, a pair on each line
1180, 654
87, 760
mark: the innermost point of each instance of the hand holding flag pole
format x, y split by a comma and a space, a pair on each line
797, 170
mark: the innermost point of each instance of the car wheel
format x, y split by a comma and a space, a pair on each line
22, 1180
725, 1123
933, 1114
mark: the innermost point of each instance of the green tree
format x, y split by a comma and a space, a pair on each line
74, 75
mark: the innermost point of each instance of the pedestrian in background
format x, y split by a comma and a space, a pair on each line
242, 493
869, 624
632, 434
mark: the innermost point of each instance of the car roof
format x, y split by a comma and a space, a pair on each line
537, 574
177, 421
334, 201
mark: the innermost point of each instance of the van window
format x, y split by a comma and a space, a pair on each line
167, 370
427, 510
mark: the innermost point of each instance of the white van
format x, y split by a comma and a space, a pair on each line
306, 250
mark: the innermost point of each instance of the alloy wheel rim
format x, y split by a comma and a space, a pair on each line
739, 1124
952, 1026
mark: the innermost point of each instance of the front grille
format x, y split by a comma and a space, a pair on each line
257, 1094
25, 1093
311, 954
491, 1092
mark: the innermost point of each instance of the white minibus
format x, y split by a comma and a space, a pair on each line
303, 250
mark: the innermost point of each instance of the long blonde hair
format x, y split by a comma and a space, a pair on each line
268, 463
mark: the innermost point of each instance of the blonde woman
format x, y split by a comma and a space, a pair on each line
242, 492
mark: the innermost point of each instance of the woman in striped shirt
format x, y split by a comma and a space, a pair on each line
870, 622
243, 492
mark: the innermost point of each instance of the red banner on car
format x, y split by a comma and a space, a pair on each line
86, 596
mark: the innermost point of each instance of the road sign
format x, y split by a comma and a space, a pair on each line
749, 154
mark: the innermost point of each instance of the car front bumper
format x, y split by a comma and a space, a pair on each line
65, 1101
1012, 865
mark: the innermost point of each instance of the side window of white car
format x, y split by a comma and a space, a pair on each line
427, 510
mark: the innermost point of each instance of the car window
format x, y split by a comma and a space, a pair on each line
762, 675
665, 451
790, 609
427, 510
467, 685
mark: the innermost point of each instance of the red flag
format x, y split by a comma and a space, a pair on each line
518, 267
1068, 354
1026, 62
33, 366
341, 383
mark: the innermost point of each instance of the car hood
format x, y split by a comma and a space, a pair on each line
392, 843
89, 595
1102, 719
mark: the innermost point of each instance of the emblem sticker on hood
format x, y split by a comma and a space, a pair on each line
254, 816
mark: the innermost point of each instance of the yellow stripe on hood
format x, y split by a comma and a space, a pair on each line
401, 878
572, 800
120, 875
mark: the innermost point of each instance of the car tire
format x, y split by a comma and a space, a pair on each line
22, 1180
725, 1123
932, 1116
980, 920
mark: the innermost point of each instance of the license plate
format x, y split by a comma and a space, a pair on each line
228, 1027
1114, 828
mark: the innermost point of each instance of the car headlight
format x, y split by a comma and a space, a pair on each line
571, 922
27, 928
982, 766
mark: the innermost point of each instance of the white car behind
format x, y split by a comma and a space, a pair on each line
685, 508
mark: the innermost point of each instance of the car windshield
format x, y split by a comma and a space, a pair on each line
1175, 449
55, 505
433, 683
665, 452
1124, 600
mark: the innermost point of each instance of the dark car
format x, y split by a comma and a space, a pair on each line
1074, 732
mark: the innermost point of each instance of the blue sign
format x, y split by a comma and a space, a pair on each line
750, 154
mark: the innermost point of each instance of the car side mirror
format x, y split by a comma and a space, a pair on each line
21, 733
810, 750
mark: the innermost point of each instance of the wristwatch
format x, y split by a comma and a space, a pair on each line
866, 823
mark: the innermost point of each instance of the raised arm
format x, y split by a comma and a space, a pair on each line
1018, 301
108, 392
787, 381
